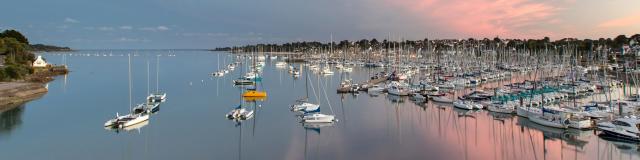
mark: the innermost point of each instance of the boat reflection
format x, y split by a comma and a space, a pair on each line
395, 99
254, 99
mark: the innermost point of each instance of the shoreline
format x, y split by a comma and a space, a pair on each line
12, 93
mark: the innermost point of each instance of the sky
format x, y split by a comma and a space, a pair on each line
202, 24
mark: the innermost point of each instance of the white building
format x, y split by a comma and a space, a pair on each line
39, 62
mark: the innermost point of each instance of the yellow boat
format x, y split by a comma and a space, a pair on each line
254, 93
253, 99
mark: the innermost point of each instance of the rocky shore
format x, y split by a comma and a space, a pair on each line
19, 92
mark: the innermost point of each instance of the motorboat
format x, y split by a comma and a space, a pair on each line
625, 129
318, 118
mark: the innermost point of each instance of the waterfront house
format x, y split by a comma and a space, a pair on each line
39, 62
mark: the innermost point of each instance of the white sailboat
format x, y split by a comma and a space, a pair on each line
550, 118
303, 105
157, 96
130, 119
318, 117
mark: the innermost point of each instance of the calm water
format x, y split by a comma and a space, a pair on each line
67, 122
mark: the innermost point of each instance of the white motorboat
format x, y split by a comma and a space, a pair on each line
318, 118
622, 129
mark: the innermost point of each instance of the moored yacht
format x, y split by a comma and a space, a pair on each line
622, 129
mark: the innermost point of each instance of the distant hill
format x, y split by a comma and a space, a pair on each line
48, 48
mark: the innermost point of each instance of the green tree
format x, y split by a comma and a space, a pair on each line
14, 34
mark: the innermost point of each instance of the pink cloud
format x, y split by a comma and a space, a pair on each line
626, 21
486, 18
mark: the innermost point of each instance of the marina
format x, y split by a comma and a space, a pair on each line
303, 117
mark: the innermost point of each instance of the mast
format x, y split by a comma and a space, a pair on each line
306, 82
130, 83
157, 73
148, 77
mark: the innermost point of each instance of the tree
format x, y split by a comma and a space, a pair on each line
619, 41
375, 43
14, 34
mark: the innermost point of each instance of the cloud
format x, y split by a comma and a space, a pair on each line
126, 27
627, 21
70, 20
204, 34
484, 17
104, 28
125, 39
155, 29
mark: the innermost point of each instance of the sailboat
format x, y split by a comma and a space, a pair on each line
157, 96
318, 117
129, 119
253, 92
150, 106
302, 104
550, 118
